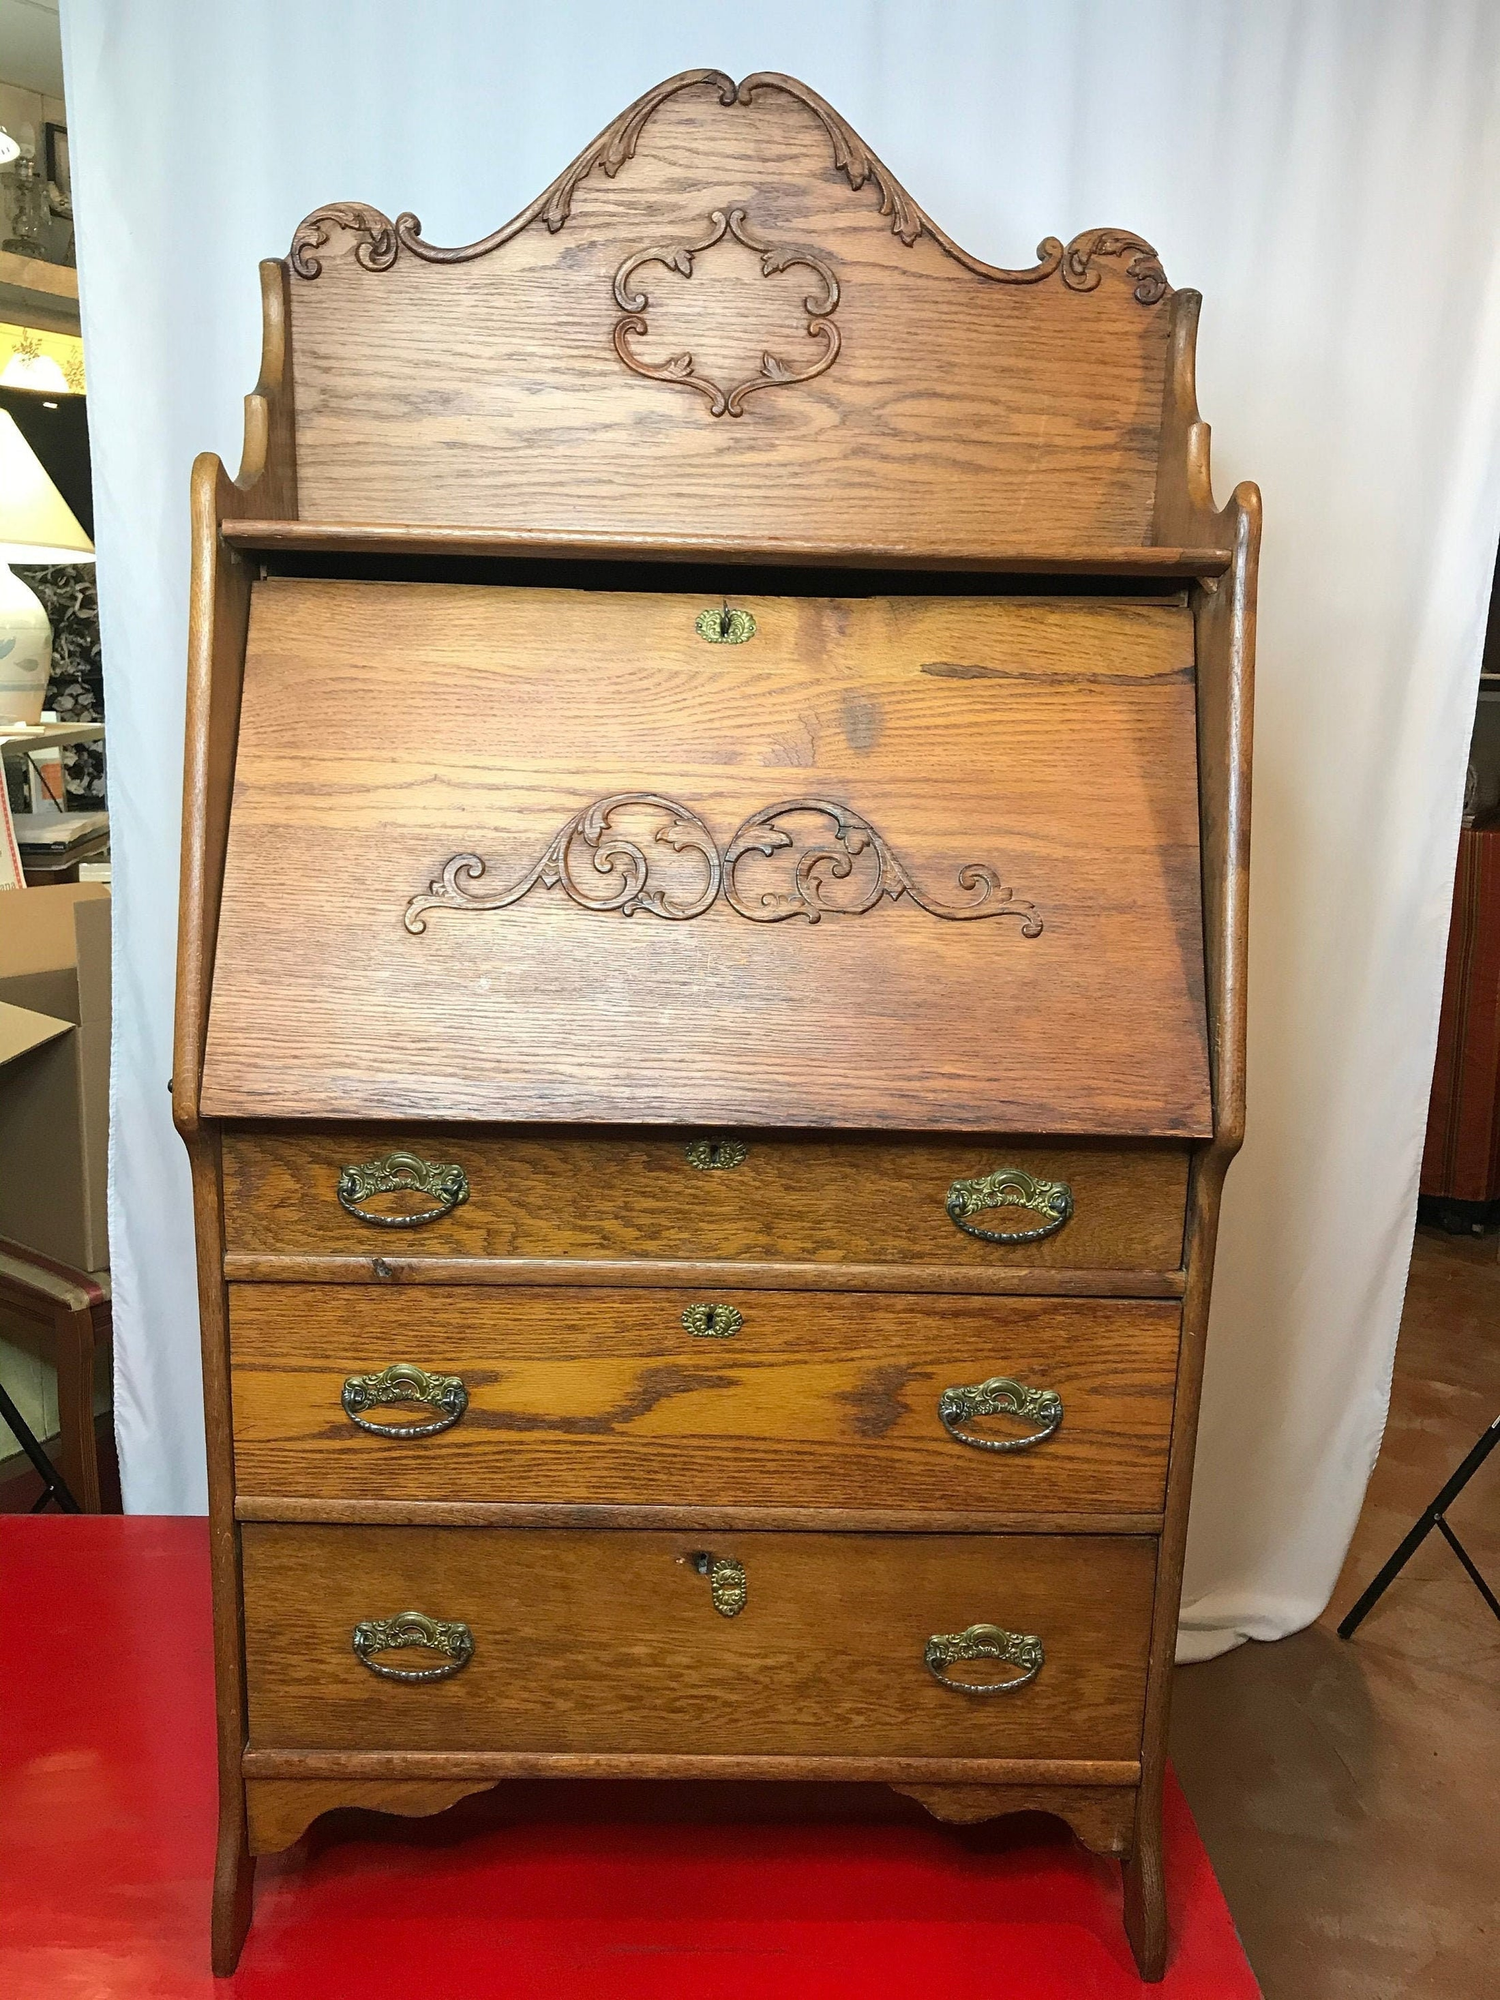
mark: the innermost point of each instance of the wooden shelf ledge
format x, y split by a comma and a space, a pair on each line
366, 538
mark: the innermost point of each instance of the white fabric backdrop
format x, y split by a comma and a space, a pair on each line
1328, 177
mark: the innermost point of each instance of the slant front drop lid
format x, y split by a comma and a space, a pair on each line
550, 854
711, 996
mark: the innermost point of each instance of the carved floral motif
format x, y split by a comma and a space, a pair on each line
678, 368
853, 853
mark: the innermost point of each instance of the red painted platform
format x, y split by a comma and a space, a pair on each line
107, 1808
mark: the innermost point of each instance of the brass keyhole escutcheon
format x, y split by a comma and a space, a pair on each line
712, 1322
716, 1155
725, 627
726, 1580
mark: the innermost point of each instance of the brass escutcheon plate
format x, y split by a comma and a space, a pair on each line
728, 1587
725, 627
716, 1155
712, 1322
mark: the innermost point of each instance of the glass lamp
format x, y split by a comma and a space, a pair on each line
36, 526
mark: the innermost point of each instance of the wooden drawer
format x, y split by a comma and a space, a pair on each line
621, 1194
607, 1397
609, 1641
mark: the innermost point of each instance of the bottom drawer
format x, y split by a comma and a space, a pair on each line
609, 1640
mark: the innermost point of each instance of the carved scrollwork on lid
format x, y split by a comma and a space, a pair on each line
376, 234
774, 373
854, 853
588, 838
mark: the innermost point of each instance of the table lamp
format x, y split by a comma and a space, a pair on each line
36, 526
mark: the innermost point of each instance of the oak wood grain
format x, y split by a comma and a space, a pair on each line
590, 1397
621, 1195
1049, 740
945, 395
606, 1642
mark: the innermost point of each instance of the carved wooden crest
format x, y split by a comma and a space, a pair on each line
379, 242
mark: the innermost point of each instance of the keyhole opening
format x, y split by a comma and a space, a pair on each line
724, 620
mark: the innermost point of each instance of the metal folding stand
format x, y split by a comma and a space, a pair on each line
54, 1486
1435, 1516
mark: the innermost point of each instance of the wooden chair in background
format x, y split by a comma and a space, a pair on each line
76, 1305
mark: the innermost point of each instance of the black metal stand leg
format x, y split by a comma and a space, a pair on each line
1426, 1522
54, 1486
1468, 1562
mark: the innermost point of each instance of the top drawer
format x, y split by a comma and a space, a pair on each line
783, 1197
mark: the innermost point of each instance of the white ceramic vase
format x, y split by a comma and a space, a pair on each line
25, 650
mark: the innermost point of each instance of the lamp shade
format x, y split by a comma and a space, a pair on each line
36, 524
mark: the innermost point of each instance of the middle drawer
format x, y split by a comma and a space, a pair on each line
638, 1397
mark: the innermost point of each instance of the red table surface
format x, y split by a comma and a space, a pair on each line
107, 1811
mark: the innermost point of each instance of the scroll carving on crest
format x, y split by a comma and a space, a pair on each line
379, 240
841, 868
774, 373
374, 233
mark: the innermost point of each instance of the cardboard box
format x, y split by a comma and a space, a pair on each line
54, 1071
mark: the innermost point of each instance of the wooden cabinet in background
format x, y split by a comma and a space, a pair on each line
1461, 1159
711, 996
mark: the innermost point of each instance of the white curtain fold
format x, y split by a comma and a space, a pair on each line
1328, 177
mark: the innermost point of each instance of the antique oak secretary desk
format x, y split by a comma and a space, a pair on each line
711, 995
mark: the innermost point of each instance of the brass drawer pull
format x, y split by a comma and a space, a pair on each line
449, 1637
1000, 1397
711, 1322
710, 1155
402, 1385
1008, 1187
985, 1642
395, 1174
726, 1580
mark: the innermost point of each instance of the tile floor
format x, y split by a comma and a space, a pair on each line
1348, 1793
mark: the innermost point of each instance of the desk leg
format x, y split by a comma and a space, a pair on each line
234, 1888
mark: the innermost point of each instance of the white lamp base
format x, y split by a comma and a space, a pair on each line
25, 650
